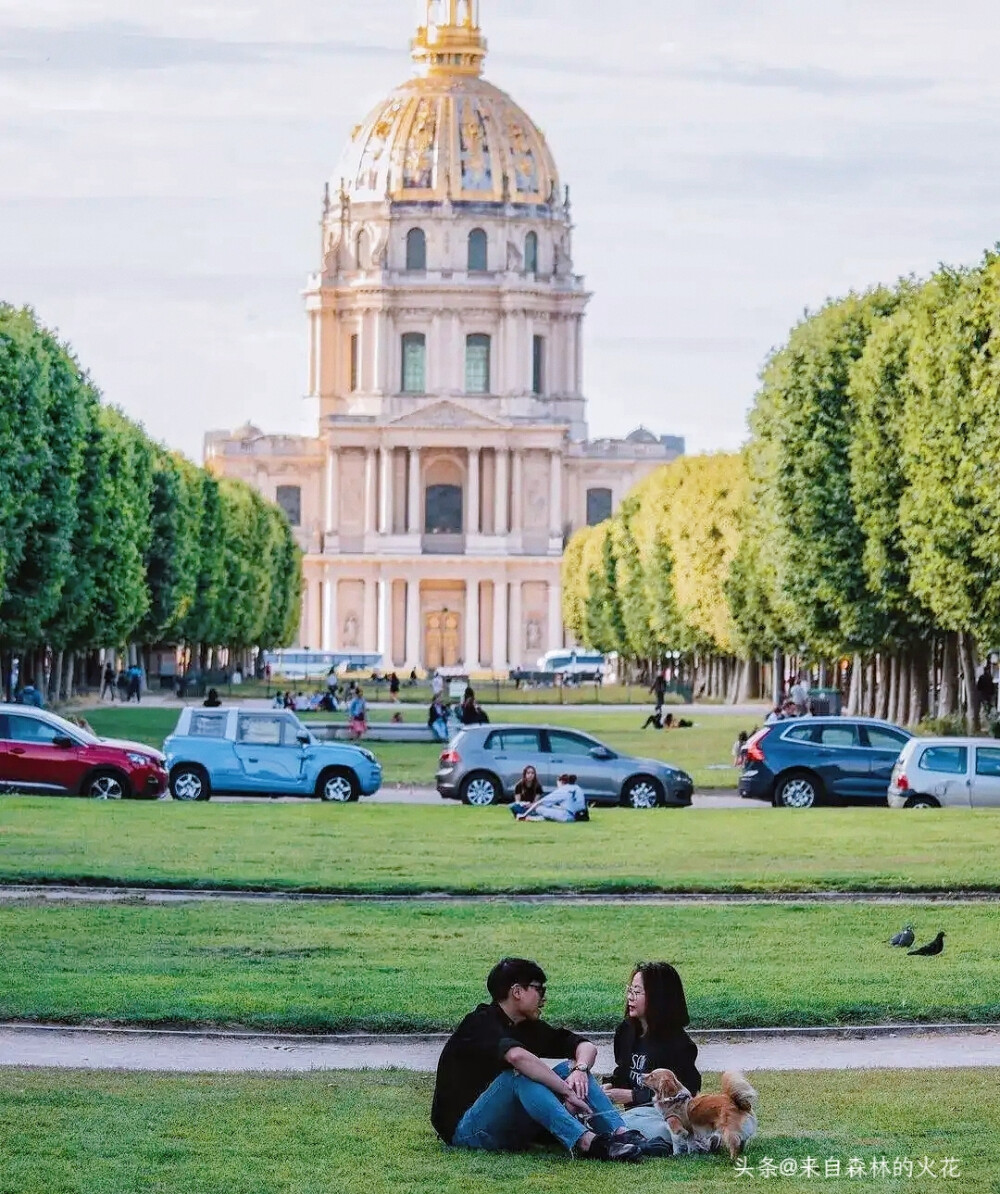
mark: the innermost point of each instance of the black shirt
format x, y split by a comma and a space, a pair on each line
636, 1055
474, 1057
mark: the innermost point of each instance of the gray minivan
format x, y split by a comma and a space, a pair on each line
482, 765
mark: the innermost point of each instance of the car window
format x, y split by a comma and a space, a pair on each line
293, 727
799, 734
880, 739
569, 744
988, 761
30, 729
260, 731
207, 725
838, 735
516, 740
951, 760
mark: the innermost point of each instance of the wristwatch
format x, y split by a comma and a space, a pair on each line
581, 1066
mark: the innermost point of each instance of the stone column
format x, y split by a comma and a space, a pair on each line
378, 364
383, 646
385, 492
369, 636
369, 511
413, 498
472, 624
555, 616
517, 491
413, 623
331, 631
501, 485
516, 625
555, 496
472, 516
332, 491
500, 625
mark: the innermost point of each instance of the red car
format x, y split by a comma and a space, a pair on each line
40, 752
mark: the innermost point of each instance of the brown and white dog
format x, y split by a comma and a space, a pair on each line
701, 1122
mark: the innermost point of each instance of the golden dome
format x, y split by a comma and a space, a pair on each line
448, 134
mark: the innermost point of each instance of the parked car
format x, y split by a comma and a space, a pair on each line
815, 760
265, 753
43, 753
947, 772
482, 764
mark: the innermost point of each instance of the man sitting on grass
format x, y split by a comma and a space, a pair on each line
494, 1092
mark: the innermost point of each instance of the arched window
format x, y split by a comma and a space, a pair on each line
361, 249
477, 364
478, 259
443, 510
531, 253
414, 363
598, 506
416, 249
538, 365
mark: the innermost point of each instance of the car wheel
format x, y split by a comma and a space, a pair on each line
338, 787
798, 790
189, 782
922, 802
643, 791
107, 785
481, 790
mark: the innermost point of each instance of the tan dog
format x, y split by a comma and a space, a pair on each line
698, 1123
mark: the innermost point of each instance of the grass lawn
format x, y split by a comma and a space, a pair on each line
704, 750
347, 1133
399, 849
404, 967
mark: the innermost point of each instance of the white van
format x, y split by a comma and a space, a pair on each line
573, 664
946, 773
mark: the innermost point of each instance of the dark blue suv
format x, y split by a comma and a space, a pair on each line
815, 760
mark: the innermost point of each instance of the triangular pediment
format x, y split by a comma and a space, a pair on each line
446, 414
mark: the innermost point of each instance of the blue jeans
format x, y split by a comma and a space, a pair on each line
440, 729
511, 1114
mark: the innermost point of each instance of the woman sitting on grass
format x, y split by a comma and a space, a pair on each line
652, 1037
567, 803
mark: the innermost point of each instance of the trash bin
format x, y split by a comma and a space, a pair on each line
825, 702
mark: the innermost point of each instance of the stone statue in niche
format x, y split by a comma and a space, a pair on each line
351, 631
515, 258
533, 634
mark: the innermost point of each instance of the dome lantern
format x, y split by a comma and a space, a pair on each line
450, 41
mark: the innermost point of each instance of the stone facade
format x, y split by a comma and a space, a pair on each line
452, 458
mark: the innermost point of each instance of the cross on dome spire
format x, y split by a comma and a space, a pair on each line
450, 41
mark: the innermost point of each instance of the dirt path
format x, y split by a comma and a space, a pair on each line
751, 1051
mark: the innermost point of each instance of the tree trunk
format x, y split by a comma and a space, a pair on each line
892, 700
55, 679
947, 704
855, 695
871, 687
967, 657
68, 686
919, 680
777, 676
902, 717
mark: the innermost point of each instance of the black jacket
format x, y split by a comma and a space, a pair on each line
636, 1055
473, 1059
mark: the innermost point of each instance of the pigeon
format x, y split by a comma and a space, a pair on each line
905, 937
935, 947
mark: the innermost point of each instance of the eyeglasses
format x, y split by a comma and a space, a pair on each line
635, 992
539, 987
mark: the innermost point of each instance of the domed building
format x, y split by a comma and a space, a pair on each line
446, 352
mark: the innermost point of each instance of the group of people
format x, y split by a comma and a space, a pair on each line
658, 719
494, 1092
566, 803
469, 712
127, 683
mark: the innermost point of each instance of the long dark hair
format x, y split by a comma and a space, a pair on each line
666, 1007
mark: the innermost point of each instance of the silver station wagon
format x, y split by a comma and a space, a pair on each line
482, 765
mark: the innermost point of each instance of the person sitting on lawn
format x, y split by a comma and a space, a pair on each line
437, 719
528, 789
567, 803
652, 1037
493, 1091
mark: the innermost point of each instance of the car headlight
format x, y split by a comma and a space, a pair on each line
139, 760
368, 755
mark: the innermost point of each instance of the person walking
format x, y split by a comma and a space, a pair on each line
357, 711
108, 682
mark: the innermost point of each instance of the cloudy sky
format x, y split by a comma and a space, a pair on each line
733, 162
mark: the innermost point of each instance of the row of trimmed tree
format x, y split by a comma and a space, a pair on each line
109, 540
857, 533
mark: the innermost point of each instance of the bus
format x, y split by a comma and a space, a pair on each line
298, 664
575, 665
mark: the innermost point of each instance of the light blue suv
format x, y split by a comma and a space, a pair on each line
270, 753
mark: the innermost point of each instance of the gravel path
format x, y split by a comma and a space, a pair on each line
899, 1047
84, 893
